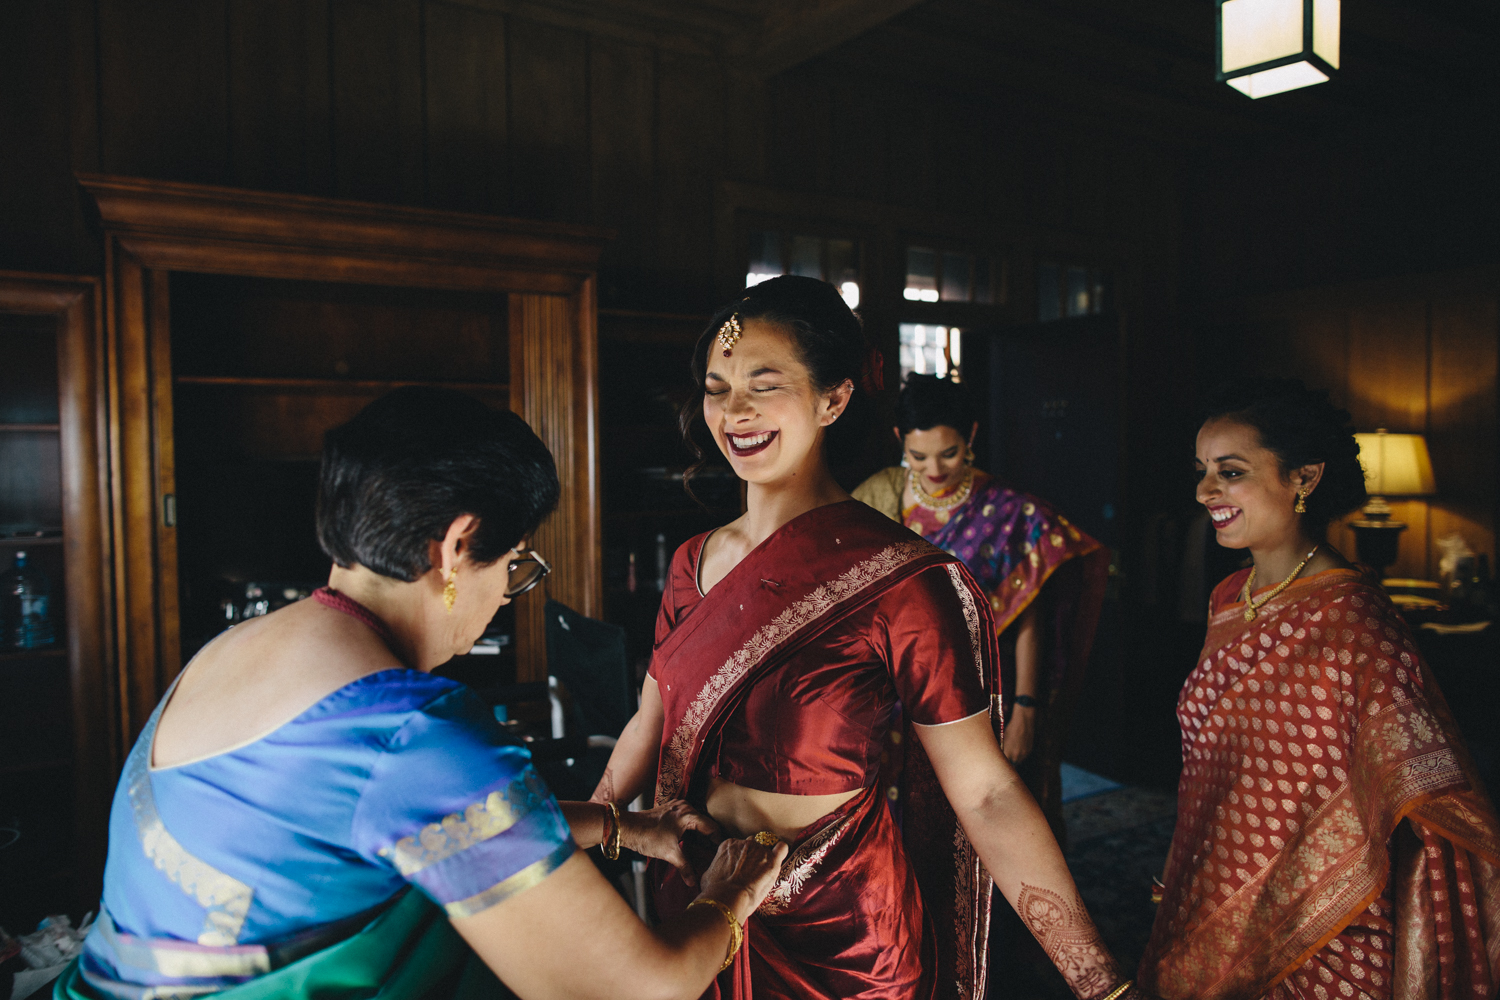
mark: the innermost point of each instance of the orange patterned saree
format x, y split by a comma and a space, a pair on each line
1333, 840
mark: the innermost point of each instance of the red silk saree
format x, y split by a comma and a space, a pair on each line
1333, 841
784, 677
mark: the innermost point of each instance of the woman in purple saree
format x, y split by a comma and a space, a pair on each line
1043, 578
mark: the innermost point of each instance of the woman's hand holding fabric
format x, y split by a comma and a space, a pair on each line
742, 874
658, 832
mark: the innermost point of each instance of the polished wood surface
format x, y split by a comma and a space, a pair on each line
157, 231
72, 304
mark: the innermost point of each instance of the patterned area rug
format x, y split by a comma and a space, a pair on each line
1117, 840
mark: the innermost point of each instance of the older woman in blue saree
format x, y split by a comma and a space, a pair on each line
307, 770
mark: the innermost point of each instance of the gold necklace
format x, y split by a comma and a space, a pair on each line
948, 502
1251, 608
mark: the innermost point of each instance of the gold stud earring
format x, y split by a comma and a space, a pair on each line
1301, 507
450, 590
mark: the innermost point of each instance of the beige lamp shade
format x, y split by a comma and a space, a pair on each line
1396, 465
1270, 46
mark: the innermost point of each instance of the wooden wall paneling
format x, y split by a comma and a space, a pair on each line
83, 79
622, 117
554, 350
549, 121
36, 149
801, 133
466, 108
690, 145
1388, 365
1318, 352
747, 113
279, 94
75, 304
858, 139
377, 100
164, 88
913, 174
1462, 426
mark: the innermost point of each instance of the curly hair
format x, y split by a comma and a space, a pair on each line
830, 342
1301, 426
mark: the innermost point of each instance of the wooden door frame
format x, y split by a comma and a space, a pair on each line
73, 303
152, 228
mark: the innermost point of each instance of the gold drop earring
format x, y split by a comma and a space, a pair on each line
450, 590
1301, 507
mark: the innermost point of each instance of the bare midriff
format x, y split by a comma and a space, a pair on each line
743, 812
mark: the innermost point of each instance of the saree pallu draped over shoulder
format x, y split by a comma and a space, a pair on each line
839, 920
1309, 735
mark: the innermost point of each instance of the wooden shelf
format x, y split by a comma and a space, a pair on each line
29, 428
36, 540
48, 653
336, 384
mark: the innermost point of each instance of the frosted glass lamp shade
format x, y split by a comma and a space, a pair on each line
1396, 465
1270, 46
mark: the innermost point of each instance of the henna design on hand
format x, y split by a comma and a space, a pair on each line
606, 790
1070, 939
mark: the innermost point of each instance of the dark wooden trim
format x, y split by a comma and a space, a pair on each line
75, 304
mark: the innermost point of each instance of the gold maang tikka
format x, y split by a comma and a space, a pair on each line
730, 333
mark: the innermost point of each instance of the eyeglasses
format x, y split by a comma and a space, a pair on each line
526, 571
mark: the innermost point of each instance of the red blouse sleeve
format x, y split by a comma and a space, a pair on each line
938, 637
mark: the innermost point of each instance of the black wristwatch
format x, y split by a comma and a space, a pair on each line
1025, 701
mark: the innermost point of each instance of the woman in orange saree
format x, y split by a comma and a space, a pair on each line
784, 641
1333, 840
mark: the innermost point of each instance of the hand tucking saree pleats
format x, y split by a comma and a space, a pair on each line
1333, 840
784, 678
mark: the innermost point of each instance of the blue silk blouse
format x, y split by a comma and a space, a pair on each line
397, 778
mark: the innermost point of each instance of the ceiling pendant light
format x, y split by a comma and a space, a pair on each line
1270, 46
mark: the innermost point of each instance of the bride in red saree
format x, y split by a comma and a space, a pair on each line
1333, 840
784, 641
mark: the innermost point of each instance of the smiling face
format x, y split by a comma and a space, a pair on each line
761, 405
1248, 495
937, 455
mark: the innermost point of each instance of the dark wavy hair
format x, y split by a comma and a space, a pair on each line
830, 342
927, 401
397, 475
1301, 426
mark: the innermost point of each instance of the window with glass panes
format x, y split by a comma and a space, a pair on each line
1064, 290
777, 252
927, 349
935, 275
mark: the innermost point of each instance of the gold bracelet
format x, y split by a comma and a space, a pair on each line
736, 932
1118, 991
611, 843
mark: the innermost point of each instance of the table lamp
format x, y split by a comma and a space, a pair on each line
1396, 465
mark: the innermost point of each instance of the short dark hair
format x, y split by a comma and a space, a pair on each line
927, 401
396, 476
1301, 426
829, 339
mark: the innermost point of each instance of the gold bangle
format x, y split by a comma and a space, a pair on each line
611, 843
736, 932
1118, 991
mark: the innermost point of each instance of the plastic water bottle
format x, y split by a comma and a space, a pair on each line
25, 618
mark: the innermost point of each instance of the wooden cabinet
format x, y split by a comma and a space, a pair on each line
57, 745
243, 325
